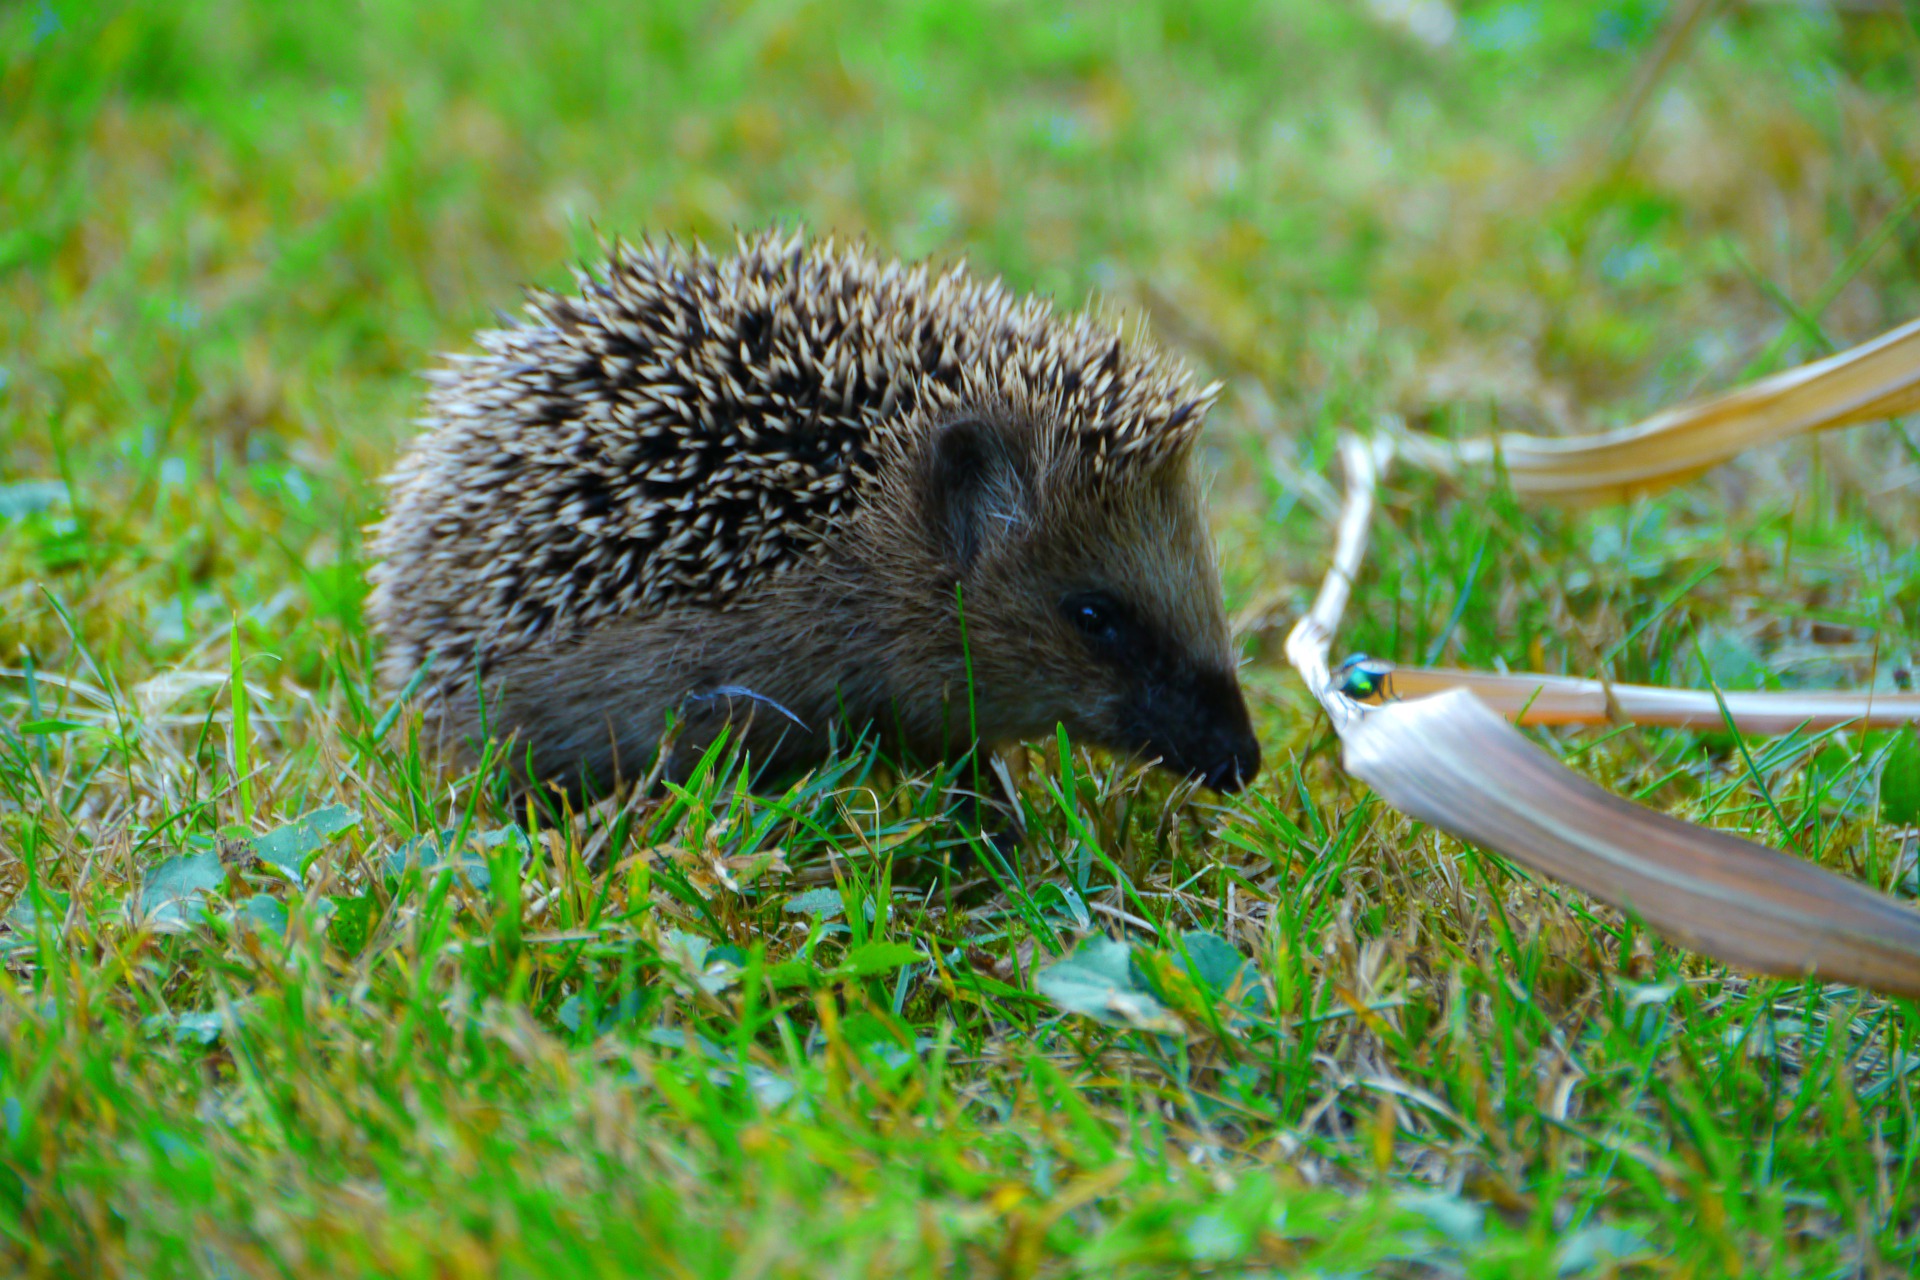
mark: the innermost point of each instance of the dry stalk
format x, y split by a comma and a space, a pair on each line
1450, 761
1530, 698
1877, 379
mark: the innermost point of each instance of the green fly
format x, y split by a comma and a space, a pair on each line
1365, 679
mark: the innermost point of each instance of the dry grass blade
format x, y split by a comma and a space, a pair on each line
1529, 698
1451, 761
1310, 638
1877, 379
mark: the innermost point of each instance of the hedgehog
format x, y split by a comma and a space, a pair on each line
795, 495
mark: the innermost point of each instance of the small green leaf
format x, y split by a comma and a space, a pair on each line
1593, 1247
186, 1028
792, 973
171, 897
824, 903
573, 1010
690, 954
29, 497
1212, 1237
1729, 658
1213, 962
878, 957
505, 837
434, 851
1099, 981
1462, 1222
425, 851
293, 847
263, 912
352, 924
22, 920
882, 1039
1900, 781
1060, 901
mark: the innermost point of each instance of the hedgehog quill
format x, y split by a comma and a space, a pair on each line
798, 491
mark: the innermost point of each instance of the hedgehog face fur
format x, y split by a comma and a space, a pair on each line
768, 493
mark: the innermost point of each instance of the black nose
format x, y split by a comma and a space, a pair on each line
1235, 770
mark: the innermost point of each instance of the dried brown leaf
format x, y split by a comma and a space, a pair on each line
1534, 699
1450, 761
1877, 379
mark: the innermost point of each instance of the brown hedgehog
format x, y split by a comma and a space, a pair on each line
801, 491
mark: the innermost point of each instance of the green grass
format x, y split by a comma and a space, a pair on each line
726, 1033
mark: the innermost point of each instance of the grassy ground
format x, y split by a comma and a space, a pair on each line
757, 1034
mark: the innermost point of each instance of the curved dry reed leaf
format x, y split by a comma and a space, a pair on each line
1451, 761
1533, 699
1877, 379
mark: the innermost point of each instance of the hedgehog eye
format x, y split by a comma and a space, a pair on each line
1098, 617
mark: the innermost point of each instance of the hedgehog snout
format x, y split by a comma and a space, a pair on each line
1196, 724
1236, 769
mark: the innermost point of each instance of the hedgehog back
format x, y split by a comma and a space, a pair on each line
685, 426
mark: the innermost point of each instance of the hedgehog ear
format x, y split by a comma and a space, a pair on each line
975, 487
